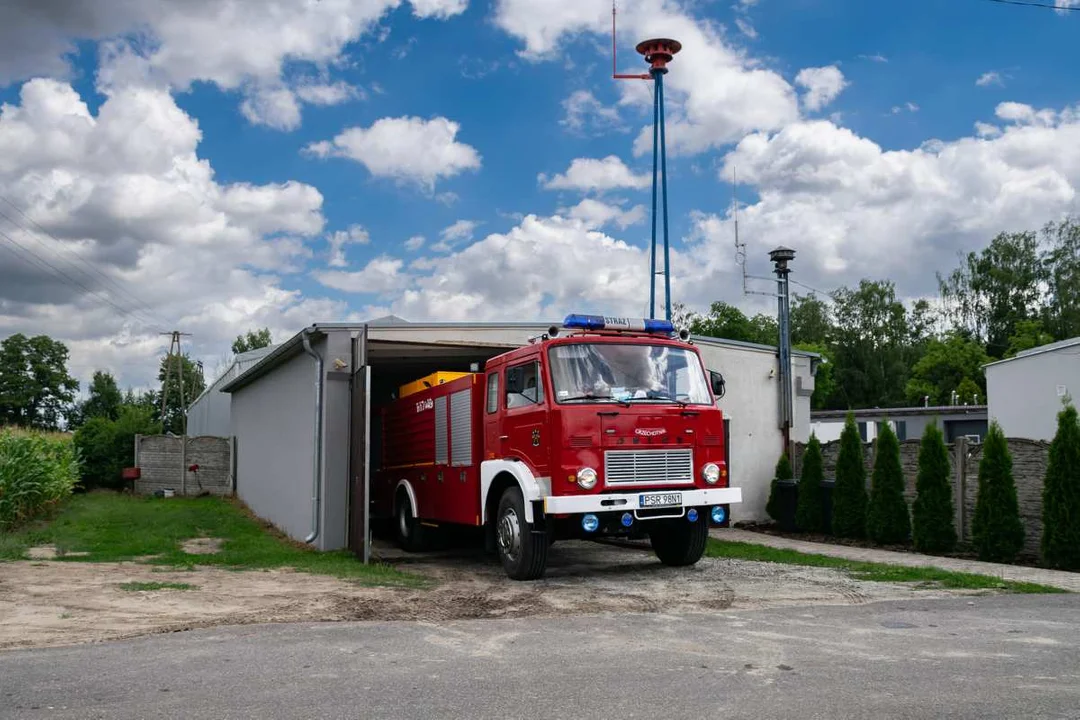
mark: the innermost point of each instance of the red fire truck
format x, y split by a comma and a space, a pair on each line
604, 427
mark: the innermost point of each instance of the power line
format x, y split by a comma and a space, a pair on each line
1044, 6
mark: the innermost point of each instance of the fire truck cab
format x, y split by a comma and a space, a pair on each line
604, 427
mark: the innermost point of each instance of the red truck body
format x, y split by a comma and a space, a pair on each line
521, 450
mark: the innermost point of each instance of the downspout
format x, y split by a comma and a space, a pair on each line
316, 472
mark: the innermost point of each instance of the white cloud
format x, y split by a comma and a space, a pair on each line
746, 28
354, 235
408, 149
822, 84
452, 235
240, 45
596, 214
325, 94
989, 78
584, 113
124, 192
906, 107
380, 275
986, 130
587, 174
415, 243
273, 107
714, 93
878, 58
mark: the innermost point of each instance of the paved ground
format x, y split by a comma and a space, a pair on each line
1003, 656
1054, 578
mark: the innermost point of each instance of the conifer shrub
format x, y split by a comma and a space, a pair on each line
849, 493
810, 512
933, 527
1060, 543
887, 519
996, 530
783, 472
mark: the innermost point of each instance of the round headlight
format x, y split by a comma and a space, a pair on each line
586, 478
711, 473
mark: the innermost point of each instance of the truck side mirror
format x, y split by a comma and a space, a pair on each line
716, 380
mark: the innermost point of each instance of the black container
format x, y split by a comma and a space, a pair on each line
787, 495
827, 486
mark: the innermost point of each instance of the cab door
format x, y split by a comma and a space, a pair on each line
525, 429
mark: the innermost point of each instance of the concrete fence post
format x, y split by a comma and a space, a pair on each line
960, 449
183, 465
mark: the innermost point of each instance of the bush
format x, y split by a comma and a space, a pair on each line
887, 518
996, 528
108, 446
783, 472
932, 513
36, 471
810, 513
849, 493
1061, 495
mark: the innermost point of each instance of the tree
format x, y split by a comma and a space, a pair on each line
1028, 334
933, 529
996, 529
810, 512
824, 383
887, 518
1062, 272
107, 446
1061, 495
193, 385
783, 472
968, 393
728, 322
945, 365
811, 321
35, 387
253, 340
104, 399
849, 493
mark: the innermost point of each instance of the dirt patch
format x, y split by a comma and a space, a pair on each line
202, 546
50, 552
61, 603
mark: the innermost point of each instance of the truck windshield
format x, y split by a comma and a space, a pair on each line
627, 372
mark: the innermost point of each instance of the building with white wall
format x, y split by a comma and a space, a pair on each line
298, 424
1026, 392
908, 423
210, 413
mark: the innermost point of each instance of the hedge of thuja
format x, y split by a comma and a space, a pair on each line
887, 518
933, 527
849, 493
783, 472
810, 512
36, 471
996, 529
1061, 495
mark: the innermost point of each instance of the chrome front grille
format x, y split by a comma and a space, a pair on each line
648, 467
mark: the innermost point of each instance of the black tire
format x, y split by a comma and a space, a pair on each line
407, 528
679, 542
521, 548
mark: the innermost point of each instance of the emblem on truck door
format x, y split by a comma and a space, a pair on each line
536, 437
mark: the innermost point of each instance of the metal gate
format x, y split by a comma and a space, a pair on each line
359, 449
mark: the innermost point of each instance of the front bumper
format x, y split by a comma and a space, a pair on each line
629, 502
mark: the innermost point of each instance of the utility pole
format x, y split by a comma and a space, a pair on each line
780, 257
174, 342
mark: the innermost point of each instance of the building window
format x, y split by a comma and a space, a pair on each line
862, 431
901, 430
493, 392
525, 379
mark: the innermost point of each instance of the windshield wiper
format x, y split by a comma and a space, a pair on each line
590, 396
663, 396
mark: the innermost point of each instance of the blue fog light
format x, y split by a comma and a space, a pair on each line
718, 514
691, 514
627, 519
590, 522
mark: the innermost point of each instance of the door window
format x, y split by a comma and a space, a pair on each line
523, 385
493, 392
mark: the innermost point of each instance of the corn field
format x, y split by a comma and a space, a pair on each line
37, 470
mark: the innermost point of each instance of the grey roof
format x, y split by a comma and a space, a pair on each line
240, 363
900, 412
290, 347
1052, 347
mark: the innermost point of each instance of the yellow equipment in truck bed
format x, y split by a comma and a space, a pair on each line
435, 378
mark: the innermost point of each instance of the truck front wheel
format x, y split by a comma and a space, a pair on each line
410, 533
679, 542
522, 549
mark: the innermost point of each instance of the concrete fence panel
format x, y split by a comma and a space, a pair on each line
185, 465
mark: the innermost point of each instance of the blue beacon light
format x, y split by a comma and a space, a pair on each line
600, 322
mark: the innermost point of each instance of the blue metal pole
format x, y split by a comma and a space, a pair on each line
663, 170
652, 263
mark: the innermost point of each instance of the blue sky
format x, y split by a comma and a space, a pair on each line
821, 105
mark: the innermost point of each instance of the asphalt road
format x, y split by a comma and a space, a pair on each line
1005, 656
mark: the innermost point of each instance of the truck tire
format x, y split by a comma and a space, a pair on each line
522, 550
679, 542
407, 527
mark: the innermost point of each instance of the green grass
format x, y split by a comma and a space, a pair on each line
143, 586
879, 572
112, 527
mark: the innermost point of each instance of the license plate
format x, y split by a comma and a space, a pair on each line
659, 500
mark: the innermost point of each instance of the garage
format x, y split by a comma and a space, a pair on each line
305, 416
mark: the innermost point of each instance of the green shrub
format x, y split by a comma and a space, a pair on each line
849, 493
996, 529
36, 471
108, 446
887, 518
1061, 495
932, 512
783, 472
810, 512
